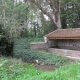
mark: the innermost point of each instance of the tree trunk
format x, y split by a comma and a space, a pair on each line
4, 13
58, 20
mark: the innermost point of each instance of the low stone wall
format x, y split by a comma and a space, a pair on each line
64, 52
40, 46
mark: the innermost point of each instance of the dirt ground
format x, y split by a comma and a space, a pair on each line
46, 67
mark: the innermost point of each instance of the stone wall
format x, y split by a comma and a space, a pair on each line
69, 44
52, 43
64, 44
40, 46
59, 44
67, 48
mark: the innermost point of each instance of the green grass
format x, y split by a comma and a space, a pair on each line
12, 69
70, 72
22, 50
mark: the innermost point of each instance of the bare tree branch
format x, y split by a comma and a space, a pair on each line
56, 11
50, 2
32, 1
58, 5
44, 11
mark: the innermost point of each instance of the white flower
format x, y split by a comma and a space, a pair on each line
0, 65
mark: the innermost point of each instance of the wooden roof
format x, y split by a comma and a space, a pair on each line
70, 33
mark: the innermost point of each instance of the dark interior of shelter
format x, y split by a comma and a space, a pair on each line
69, 44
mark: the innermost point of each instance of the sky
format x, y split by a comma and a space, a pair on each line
19, 0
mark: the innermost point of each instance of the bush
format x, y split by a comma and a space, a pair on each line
6, 44
6, 47
22, 50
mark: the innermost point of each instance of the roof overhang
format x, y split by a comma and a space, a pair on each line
70, 33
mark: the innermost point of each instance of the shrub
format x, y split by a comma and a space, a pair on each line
22, 50
6, 44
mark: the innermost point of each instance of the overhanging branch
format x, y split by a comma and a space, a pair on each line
47, 13
50, 2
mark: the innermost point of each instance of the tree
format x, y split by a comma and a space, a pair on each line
13, 16
51, 8
70, 14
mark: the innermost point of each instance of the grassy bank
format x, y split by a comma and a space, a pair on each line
22, 50
69, 72
12, 69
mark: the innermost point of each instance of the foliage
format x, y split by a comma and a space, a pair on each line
18, 21
70, 14
26, 20
48, 27
6, 43
13, 16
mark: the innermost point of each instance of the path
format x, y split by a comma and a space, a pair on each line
76, 58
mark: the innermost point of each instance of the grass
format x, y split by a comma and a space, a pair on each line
70, 72
12, 69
